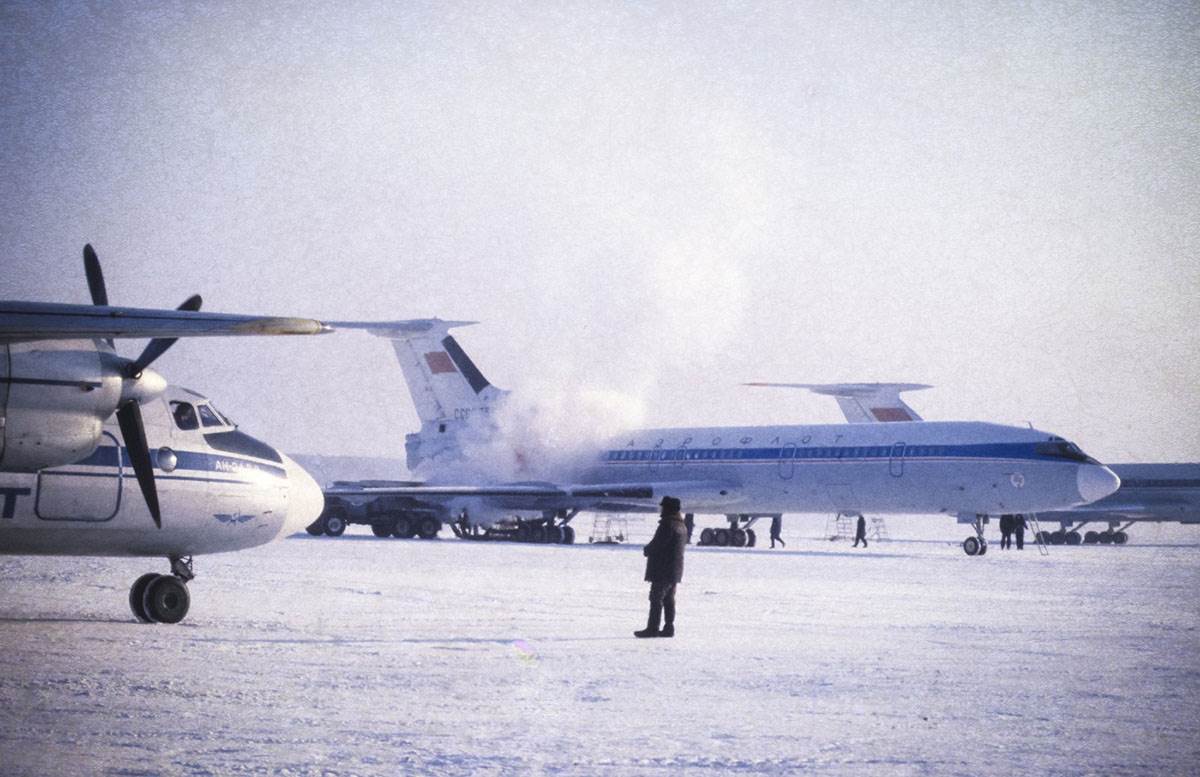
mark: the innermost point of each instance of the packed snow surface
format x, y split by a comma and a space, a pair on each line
360, 655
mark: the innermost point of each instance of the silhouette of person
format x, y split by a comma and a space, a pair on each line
1019, 525
664, 569
776, 527
860, 533
1006, 530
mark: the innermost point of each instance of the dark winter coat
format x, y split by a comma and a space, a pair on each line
664, 553
861, 531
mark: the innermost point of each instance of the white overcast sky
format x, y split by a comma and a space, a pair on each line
645, 203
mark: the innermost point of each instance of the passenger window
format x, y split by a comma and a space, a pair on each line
208, 417
185, 416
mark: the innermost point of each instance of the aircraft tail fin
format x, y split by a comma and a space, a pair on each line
451, 395
864, 403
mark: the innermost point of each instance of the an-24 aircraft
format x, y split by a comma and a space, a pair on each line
969, 469
79, 424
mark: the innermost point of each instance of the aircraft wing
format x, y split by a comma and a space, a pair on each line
631, 497
32, 321
863, 403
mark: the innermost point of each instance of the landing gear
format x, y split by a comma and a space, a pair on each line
155, 598
738, 535
977, 545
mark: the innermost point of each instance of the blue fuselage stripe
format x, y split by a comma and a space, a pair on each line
186, 461
910, 453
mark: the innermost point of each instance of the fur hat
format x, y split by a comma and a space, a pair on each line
670, 504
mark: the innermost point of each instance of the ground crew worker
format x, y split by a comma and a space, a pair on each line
861, 532
776, 527
1006, 530
1019, 526
664, 569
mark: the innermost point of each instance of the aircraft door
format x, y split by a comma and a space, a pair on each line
787, 461
896, 461
71, 493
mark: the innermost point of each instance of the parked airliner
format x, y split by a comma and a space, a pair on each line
80, 425
971, 469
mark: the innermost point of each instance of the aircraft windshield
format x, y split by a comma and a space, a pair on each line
1065, 450
185, 416
208, 416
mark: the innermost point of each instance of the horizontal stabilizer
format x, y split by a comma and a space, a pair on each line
863, 403
402, 330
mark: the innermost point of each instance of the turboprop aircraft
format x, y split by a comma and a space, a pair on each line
966, 468
77, 422
1149, 492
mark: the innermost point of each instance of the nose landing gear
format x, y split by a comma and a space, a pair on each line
156, 598
977, 545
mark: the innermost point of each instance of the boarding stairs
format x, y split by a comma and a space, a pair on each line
841, 526
878, 530
1032, 525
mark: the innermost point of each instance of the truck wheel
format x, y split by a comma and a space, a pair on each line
383, 529
405, 528
334, 524
429, 528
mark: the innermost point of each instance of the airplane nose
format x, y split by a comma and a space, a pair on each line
1096, 482
305, 499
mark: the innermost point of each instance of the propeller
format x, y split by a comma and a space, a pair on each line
129, 412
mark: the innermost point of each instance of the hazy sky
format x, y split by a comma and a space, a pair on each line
645, 203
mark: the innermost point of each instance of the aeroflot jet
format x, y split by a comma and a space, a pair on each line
79, 425
966, 468
1149, 493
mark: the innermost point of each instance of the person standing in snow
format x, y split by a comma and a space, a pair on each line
1019, 526
776, 528
860, 533
664, 569
1006, 530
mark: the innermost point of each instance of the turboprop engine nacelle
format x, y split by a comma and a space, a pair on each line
54, 399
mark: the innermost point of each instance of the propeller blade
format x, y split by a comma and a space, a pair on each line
95, 279
95, 276
159, 346
129, 417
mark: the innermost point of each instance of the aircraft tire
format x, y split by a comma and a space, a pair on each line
334, 524
1120, 538
1091, 538
428, 527
1058, 537
384, 529
137, 593
720, 537
316, 528
971, 546
568, 535
706, 536
1106, 538
1073, 538
166, 599
750, 538
405, 529
737, 538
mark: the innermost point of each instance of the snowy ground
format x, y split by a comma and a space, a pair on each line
366, 656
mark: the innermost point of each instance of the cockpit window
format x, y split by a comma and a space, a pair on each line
185, 416
222, 416
208, 417
1064, 450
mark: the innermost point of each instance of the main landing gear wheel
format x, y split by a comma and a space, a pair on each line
1073, 538
974, 546
737, 538
137, 594
334, 525
166, 599
1120, 538
707, 536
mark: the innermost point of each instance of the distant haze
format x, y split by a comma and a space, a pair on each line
645, 203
